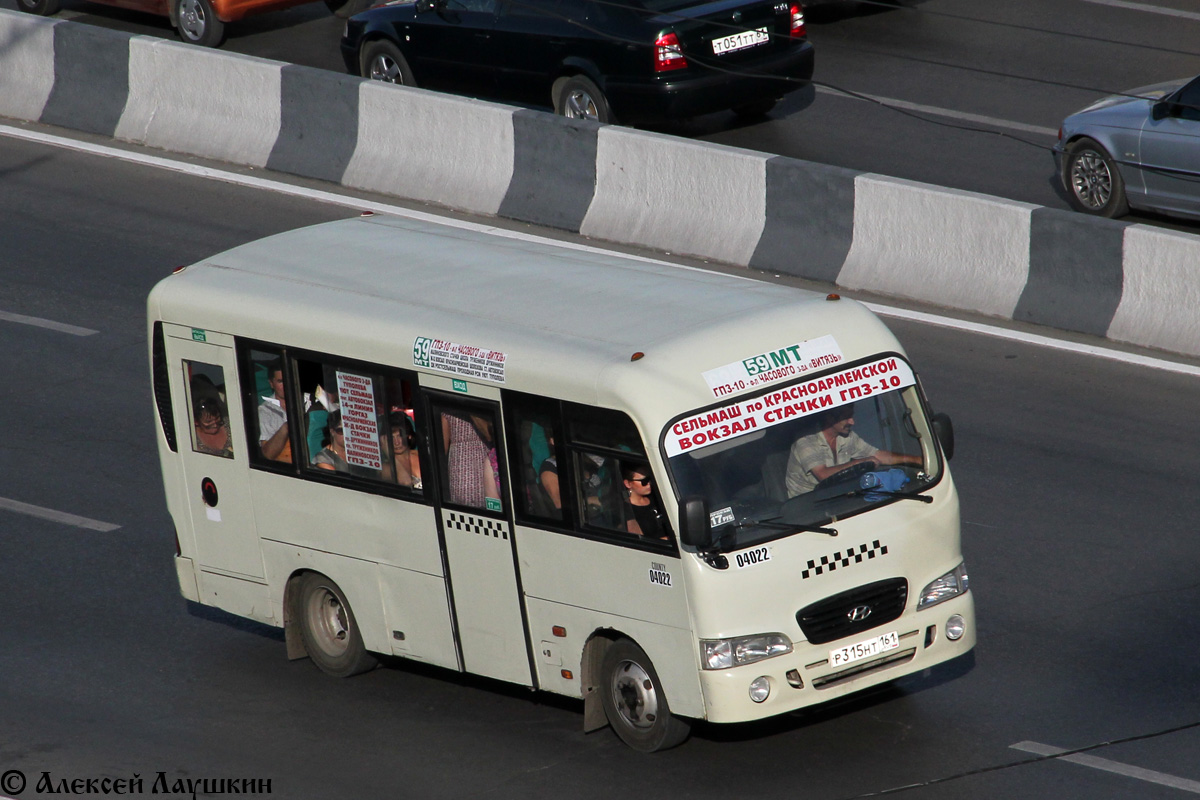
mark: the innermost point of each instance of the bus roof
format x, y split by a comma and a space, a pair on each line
569, 320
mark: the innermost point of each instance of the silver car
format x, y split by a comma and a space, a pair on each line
1140, 149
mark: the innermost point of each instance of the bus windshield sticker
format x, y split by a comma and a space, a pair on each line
659, 575
721, 517
773, 366
800, 400
459, 359
356, 398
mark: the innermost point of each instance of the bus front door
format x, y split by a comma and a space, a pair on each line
208, 414
479, 543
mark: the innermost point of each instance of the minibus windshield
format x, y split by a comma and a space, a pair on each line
798, 457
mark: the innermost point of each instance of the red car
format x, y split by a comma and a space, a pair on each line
199, 22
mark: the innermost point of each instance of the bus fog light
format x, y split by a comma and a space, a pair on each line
760, 689
955, 628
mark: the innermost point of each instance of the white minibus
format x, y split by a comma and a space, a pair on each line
676, 494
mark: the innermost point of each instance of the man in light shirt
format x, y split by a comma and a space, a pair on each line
834, 448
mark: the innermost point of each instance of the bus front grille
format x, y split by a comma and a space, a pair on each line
843, 614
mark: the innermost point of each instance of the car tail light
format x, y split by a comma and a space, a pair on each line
666, 53
798, 30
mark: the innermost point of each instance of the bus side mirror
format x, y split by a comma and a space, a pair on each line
693, 522
943, 429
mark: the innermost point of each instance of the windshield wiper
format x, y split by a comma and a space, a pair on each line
795, 526
924, 498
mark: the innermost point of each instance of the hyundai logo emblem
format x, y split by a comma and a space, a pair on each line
858, 613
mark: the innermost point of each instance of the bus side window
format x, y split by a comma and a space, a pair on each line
533, 428
210, 411
268, 395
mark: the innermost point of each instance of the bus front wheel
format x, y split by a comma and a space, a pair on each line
634, 701
328, 628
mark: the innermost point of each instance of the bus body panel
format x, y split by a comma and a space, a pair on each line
358, 579
671, 649
417, 609
621, 591
223, 525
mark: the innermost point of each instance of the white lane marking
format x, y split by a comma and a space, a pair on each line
56, 516
946, 112
366, 205
346, 201
1128, 771
1037, 340
50, 324
1170, 12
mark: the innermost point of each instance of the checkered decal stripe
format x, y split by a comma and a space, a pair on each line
480, 525
844, 559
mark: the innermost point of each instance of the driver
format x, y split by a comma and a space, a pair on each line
835, 447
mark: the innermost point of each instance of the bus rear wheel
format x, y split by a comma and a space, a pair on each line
328, 628
634, 701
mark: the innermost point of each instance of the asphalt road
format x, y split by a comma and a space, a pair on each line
964, 93
1075, 473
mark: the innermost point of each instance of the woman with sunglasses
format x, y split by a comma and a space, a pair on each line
642, 516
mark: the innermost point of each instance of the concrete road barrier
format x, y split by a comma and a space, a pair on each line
961, 250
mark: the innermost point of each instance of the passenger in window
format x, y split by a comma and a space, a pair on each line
548, 475
212, 428
471, 459
333, 456
272, 418
833, 448
642, 516
406, 464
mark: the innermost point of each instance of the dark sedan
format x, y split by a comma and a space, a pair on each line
608, 60
1137, 150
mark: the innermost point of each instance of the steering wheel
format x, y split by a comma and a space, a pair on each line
846, 475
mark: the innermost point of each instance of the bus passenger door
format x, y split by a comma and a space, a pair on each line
479, 544
212, 448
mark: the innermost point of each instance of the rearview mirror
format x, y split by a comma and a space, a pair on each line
943, 429
693, 522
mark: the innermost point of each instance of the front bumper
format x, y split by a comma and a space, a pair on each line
923, 644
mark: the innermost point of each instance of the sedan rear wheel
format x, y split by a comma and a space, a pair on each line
43, 8
1093, 181
382, 61
198, 23
578, 98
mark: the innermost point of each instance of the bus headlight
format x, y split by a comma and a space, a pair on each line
952, 584
726, 653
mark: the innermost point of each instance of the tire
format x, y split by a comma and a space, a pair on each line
577, 97
1093, 181
759, 108
42, 8
198, 23
381, 60
634, 701
328, 628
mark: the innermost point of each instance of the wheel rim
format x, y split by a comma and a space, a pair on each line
1091, 179
192, 20
384, 68
634, 695
581, 105
326, 618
